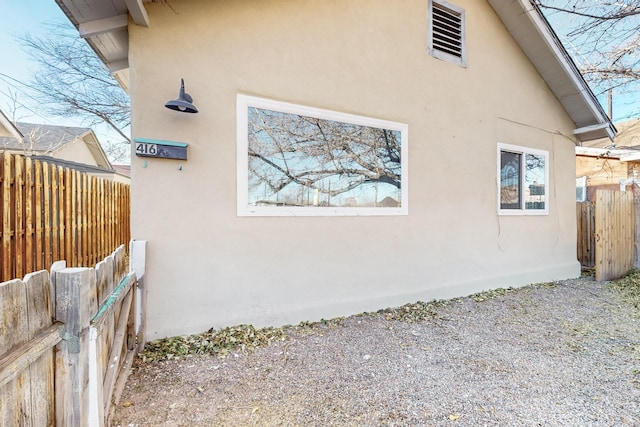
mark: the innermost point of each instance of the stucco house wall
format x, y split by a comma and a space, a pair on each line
208, 267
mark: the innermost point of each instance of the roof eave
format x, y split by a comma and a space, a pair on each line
108, 35
104, 25
11, 127
96, 150
540, 43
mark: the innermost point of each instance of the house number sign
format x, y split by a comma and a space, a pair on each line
160, 149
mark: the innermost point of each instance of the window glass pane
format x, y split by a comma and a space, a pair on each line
301, 161
510, 180
535, 181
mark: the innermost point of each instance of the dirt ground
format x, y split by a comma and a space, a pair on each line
566, 354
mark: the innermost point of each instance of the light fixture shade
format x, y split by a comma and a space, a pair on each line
184, 103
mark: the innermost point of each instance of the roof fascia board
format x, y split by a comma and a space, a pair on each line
554, 43
539, 33
138, 12
101, 26
603, 129
115, 66
95, 148
13, 130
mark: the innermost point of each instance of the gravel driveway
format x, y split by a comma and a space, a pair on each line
563, 354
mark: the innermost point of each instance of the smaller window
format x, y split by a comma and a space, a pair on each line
446, 32
524, 180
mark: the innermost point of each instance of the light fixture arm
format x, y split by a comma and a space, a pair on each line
184, 103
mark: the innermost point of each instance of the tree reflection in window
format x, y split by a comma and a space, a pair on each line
510, 180
523, 179
303, 161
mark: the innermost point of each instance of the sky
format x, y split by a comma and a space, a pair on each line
18, 18
28, 16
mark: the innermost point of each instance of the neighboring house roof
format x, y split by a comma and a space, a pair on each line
39, 139
105, 27
629, 134
43, 138
124, 170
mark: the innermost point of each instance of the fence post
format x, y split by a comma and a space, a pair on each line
138, 254
73, 308
96, 397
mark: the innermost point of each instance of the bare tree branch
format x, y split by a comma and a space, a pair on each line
71, 81
291, 154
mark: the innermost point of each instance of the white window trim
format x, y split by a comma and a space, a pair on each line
524, 151
462, 61
243, 208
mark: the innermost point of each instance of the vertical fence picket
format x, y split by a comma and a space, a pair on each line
29, 259
102, 207
68, 218
47, 189
92, 212
15, 395
50, 213
39, 210
109, 219
19, 229
62, 225
72, 238
41, 370
73, 285
7, 215
84, 214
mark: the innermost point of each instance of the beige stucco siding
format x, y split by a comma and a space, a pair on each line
207, 267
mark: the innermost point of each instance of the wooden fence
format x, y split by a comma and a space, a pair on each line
586, 222
607, 233
66, 372
50, 213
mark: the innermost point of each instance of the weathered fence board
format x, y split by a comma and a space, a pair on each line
72, 308
585, 220
27, 335
614, 227
51, 213
42, 369
15, 398
68, 372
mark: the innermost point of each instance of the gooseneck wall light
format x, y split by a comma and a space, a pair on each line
184, 103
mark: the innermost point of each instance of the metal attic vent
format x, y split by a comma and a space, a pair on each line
447, 31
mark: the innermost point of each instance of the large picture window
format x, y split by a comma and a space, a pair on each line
523, 180
297, 160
